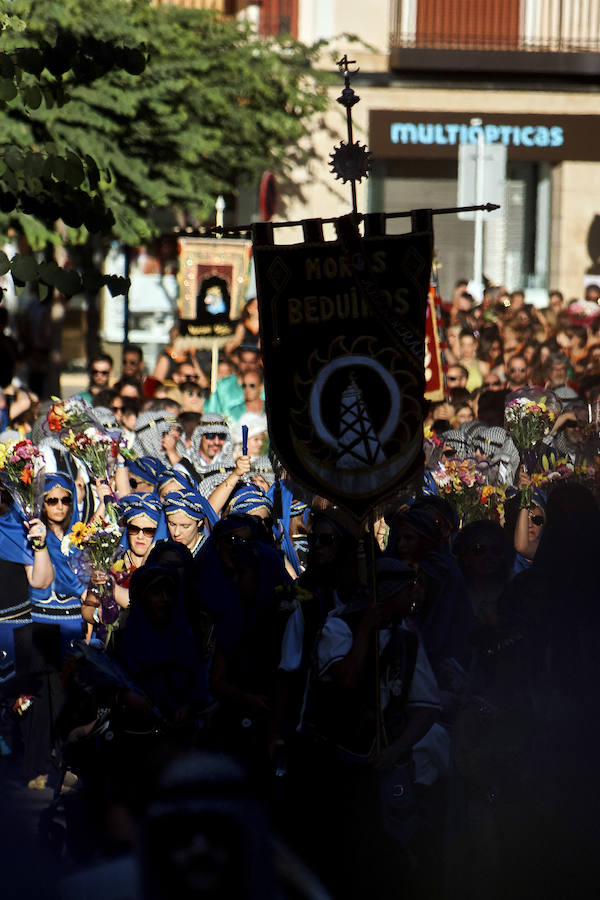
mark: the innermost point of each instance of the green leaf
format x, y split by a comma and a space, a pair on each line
32, 96
30, 60
8, 89
34, 164
74, 173
13, 158
24, 268
68, 282
4, 263
43, 290
7, 67
49, 272
59, 167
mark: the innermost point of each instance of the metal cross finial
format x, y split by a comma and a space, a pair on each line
350, 161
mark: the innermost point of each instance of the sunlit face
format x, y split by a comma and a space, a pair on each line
131, 364
465, 414
183, 529
251, 386
247, 360
168, 487
141, 531
58, 505
468, 345
517, 371
130, 392
212, 443
138, 486
255, 443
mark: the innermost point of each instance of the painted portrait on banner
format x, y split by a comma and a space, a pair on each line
213, 275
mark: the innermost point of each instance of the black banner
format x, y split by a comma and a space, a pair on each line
342, 333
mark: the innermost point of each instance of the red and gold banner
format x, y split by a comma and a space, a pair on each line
434, 372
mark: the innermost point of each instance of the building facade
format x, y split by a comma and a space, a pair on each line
528, 71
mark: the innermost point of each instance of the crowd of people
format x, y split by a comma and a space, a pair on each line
416, 706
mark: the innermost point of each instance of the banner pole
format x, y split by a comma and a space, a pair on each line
373, 592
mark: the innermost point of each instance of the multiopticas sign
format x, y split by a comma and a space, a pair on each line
437, 135
454, 133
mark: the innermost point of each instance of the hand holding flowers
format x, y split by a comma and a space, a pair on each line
21, 473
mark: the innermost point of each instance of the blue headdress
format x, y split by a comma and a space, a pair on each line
192, 503
146, 468
289, 508
182, 479
149, 505
65, 581
249, 498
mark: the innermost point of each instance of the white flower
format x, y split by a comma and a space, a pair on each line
65, 545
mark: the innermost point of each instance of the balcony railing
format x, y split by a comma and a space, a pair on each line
558, 26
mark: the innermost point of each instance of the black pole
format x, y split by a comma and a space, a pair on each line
127, 258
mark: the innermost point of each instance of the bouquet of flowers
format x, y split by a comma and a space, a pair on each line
82, 433
96, 449
528, 417
65, 415
493, 499
22, 474
91, 548
553, 470
460, 482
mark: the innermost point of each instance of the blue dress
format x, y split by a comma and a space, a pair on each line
60, 604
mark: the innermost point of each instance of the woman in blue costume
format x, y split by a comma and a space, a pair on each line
144, 521
187, 514
60, 603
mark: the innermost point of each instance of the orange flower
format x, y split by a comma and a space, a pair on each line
55, 421
486, 493
26, 476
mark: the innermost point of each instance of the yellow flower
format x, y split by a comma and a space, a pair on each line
78, 533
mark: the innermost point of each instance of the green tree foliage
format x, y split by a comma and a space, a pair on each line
112, 109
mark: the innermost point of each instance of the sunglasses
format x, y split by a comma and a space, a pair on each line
450, 451
234, 539
116, 408
134, 482
325, 540
54, 501
480, 549
215, 436
100, 371
147, 531
537, 520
